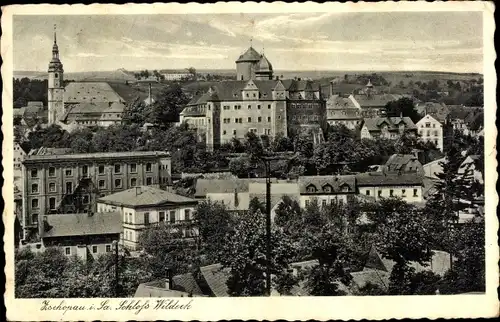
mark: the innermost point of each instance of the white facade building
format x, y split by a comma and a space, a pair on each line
431, 130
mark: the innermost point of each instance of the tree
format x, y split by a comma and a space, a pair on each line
403, 235
192, 71
136, 112
81, 141
403, 106
168, 106
245, 256
214, 224
240, 167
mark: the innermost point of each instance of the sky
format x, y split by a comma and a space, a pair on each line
378, 41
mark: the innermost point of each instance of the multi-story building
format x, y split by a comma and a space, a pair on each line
431, 130
19, 155
378, 185
326, 189
84, 235
256, 103
371, 102
71, 183
387, 127
143, 206
343, 110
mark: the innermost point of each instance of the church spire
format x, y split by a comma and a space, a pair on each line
55, 48
55, 35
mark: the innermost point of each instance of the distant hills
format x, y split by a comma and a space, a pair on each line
125, 75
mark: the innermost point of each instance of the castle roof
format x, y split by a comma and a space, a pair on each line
264, 65
251, 55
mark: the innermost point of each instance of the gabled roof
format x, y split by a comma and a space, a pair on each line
376, 100
145, 196
194, 110
340, 103
85, 109
78, 92
319, 182
182, 286
374, 124
381, 179
398, 161
83, 224
216, 278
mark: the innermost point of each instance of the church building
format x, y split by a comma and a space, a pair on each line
80, 103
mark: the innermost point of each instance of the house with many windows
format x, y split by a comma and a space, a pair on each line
71, 183
143, 206
387, 127
376, 185
431, 130
326, 189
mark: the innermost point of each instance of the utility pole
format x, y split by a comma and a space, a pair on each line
115, 244
268, 225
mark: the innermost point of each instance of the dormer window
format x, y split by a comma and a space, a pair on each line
327, 188
311, 188
345, 187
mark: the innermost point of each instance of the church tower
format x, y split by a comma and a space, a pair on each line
56, 85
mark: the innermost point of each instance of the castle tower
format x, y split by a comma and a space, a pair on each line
247, 64
264, 69
56, 84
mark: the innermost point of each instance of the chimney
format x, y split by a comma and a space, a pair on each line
169, 283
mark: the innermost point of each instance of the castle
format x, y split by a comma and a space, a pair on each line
257, 103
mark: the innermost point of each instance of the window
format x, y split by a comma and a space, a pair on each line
101, 169
52, 203
125, 217
34, 218
34, 173
367, 192
434, 125
269, 119
435, 133
249, 107
269, 106
133, 168
323, 202
391, 192
249, 119
55, 75
102, 184
86, 199
52, 187
161, 216
85, 170
34, 188
130, 218
311, 188
133, 182
52, 172
258, 107
67, 250
146, 218
380, 193
415, 192
224, 132
118, 168
307, 203
428, 124
234, 132
187, 215
108, 248
403, 192
118, 183
149, 181
68, 172
69, 187
236, 120
149, 167
247, 95
172, 217
279, 117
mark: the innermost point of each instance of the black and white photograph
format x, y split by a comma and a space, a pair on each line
260, 154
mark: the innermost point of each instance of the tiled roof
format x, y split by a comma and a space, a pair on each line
339, 102
264, 64
100, 155
381, 179
50, 151
193, 111
375, 123
371, 276
83, 224
83, 110
320, 182
250, 55
437, 110
398, 161
182, 286
376, 100
77, 92
216, 278
144, 196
